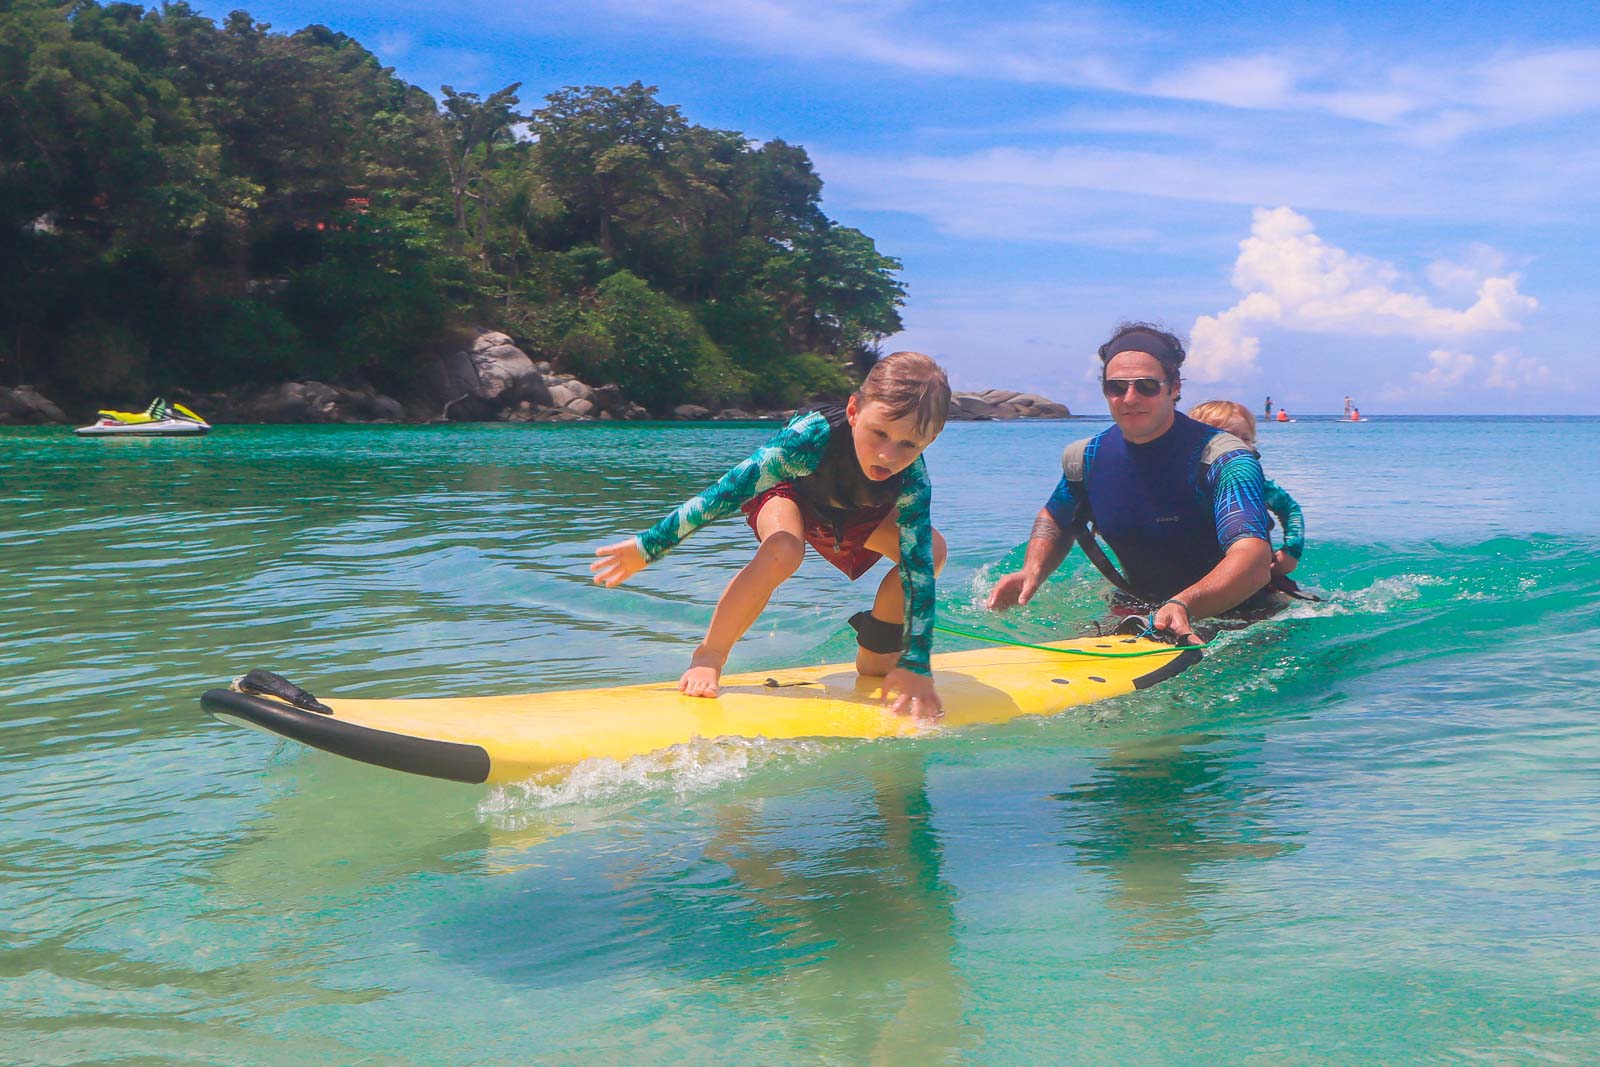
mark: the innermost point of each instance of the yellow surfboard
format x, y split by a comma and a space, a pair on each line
510, 738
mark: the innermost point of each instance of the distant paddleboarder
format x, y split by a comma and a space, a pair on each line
1268, 409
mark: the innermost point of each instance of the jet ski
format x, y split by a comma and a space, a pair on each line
161, 419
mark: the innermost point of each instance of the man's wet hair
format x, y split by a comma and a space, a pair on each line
1150, 339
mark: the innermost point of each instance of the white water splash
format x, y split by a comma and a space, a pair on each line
1381, 596
694, 767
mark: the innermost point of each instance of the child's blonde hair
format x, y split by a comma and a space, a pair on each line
907, 382
1219, 413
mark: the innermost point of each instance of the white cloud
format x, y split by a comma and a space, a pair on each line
1428, 99
394, 44
1447, 370
1512, 370
1049, 44
1463, 276
1294, 280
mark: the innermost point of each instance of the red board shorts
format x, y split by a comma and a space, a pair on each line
848, 551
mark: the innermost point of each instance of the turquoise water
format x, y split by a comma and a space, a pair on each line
1366, 832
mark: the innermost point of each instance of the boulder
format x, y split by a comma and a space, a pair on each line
734, 415
1004, 404
477, 383
690, 412
968, 408
26, 406
489, 339
303, 402
566, 390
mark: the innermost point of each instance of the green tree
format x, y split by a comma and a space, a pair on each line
469, 129
656, 351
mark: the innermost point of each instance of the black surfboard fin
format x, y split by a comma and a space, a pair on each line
269, 684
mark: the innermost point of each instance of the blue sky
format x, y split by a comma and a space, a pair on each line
1395, 204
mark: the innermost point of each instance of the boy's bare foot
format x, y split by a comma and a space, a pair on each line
701, 679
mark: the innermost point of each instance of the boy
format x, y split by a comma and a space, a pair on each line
1236, 419
850, 482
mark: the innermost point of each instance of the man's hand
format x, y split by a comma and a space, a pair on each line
1283, 563
912, 694
617, 563
1173, 617
1013, 590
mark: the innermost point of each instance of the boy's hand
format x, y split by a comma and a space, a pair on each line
1283, 563
1013, 590
617, 563
913, 694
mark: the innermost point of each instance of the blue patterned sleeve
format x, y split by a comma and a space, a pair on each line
1063, 503
916, 566
793, 452
1281, 504
1238, 498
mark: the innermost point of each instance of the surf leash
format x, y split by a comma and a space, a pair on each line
992, 639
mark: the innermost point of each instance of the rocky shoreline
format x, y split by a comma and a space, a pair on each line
491, 381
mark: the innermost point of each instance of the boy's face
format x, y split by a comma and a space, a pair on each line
884, 446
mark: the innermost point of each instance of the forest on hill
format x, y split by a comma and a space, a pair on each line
186, 203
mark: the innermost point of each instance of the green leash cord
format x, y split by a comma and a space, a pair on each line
1066, 651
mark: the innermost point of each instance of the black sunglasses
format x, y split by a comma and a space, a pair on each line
1116, 388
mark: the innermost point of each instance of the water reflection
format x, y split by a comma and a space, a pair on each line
816, 916
1159, 819
848, 892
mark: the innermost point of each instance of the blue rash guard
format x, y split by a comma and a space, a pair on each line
1170, 508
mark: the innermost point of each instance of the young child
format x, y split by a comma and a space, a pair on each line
850, 482
1236, 419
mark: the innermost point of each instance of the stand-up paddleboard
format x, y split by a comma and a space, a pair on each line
508, 738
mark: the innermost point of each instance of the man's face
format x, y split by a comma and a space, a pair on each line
1141, 418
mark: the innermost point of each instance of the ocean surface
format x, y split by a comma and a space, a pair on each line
1365, 832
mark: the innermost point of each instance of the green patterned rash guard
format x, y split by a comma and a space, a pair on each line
1293, 522
793, 453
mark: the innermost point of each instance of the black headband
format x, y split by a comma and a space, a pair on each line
1141, 341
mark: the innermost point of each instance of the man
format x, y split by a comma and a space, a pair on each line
1181, 504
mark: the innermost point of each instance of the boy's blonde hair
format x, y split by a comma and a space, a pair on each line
1218, 412
907, 382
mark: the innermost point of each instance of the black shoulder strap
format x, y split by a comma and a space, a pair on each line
1082, 531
